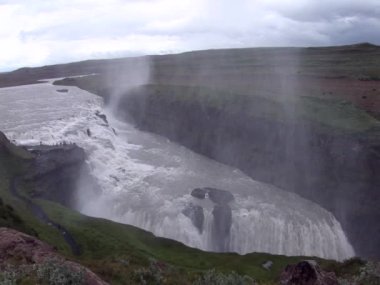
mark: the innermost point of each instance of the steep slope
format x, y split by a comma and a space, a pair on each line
302, 119
115, 252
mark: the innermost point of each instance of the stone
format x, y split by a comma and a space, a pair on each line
102, 116
199, 193
307, 273
215, 195
267, 264
219, 196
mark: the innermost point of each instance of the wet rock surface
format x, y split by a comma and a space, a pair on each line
222, 214
199, 193
102, 116
26, 250
221, 227
56, 172
217, 196
196, 215
62, 90
340, 172
307, 273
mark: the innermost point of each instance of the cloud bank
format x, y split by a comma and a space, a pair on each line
37, 32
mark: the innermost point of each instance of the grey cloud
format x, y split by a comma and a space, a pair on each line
201, 24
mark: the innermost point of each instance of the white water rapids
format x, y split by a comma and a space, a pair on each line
147, 180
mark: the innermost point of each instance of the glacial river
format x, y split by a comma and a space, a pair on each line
147, 180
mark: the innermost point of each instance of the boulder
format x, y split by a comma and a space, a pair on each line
28, 250
12, 149
199, 193
215, 195
219, 196
307, 272
196, 215
267, 264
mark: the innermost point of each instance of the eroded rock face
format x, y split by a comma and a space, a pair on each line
102, 116
199, 193
26, 250
196, 215
307, 273
337, 170
217, 196
57, 170
221, 227
222, 215
220, 197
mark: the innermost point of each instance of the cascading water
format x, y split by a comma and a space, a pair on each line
147, 181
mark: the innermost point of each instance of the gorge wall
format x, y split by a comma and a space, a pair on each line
340, 171
226, 104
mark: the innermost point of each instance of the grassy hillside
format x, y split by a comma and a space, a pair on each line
303, 119
350, 73
124, 254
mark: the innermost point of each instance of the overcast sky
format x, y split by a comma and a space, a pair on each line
39, 32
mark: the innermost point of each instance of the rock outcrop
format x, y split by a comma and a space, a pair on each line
56, 172
10, 148
196, 215
222, 215
307, 273
27, 250
338, 170
215, 195
221, 227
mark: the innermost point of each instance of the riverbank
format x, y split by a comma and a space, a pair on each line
117, 252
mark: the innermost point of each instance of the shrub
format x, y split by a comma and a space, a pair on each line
51, 272
212, 277
152, 275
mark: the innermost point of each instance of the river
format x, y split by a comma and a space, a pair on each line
146, 180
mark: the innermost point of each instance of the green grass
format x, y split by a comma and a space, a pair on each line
10, 166
336, 114
102, 239
105, 243
107, 246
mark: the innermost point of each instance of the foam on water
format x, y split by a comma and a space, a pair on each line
147, 180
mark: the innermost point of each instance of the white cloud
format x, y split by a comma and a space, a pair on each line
36, 32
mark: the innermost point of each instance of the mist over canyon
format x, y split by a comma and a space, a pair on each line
272, 150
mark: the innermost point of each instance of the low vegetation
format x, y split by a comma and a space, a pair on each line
120, 253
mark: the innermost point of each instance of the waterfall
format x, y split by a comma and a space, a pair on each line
147, 180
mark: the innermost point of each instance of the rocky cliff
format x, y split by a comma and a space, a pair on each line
224, 104
301, 119
56, 172
338, 169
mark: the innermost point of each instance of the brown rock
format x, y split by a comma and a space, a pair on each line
25, 249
